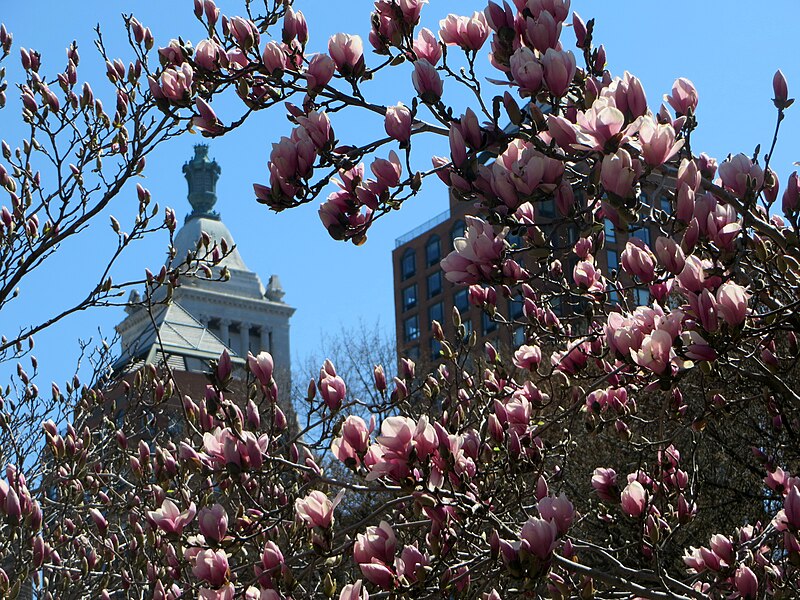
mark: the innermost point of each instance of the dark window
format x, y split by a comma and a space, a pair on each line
458, 230
408, 264
467, 328
489, 325
643, 197
436, 313
641, 297
461, 300
413, 353
410, 297
514, 240
411, 328
519, 336
515, 306
613, 295
436, 349
613, 260
434, 284
433, 250
643, 234
611, 233
547, 208
666, 205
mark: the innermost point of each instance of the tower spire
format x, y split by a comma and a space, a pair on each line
202, 174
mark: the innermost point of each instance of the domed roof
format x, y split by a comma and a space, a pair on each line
187, 237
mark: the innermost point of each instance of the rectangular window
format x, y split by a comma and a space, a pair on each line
613, 295
519, 336
411, 328
433, 251
613, 259
641, 297
436, 349
436, 313
666, 205
467, 328
643, 234
410, 297
611, 233
547, 208
461, 300
489, 324
408, 264
515, 306
434, 284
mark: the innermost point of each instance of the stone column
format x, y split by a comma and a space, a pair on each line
244, 329
224, 334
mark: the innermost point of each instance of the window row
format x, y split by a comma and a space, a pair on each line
410, 295
433, 251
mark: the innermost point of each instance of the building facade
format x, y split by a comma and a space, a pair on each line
204, 317
422, 294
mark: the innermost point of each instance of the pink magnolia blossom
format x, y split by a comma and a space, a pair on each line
206, 122
427, 82
354, 591
353, 442
540, 536
347, 52
781, 90
176, 83
274, 58
670, 255
213, 522
294, 27
542, 32
476, 256
528, 357
638, 260
427, 47
170, 519
212, 567
262, 366
244, 31
332, 388
376, 548
618, 172
633, 499
791, 196
588, 277
558, 510
746, 581
398, 122
740, 174
470, 33
604, 482
732, 302
521, 170
683, 97
559, 70
562, 131
320, 72
527, 71
658, 142
316, 510
209, 55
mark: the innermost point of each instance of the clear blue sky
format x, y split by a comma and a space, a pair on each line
728, 49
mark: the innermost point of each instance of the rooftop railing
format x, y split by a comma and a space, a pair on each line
417, 231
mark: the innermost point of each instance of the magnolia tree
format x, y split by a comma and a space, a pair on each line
622, 451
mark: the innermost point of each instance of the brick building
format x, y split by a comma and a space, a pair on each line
422, 294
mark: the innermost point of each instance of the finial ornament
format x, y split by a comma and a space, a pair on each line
202, 174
